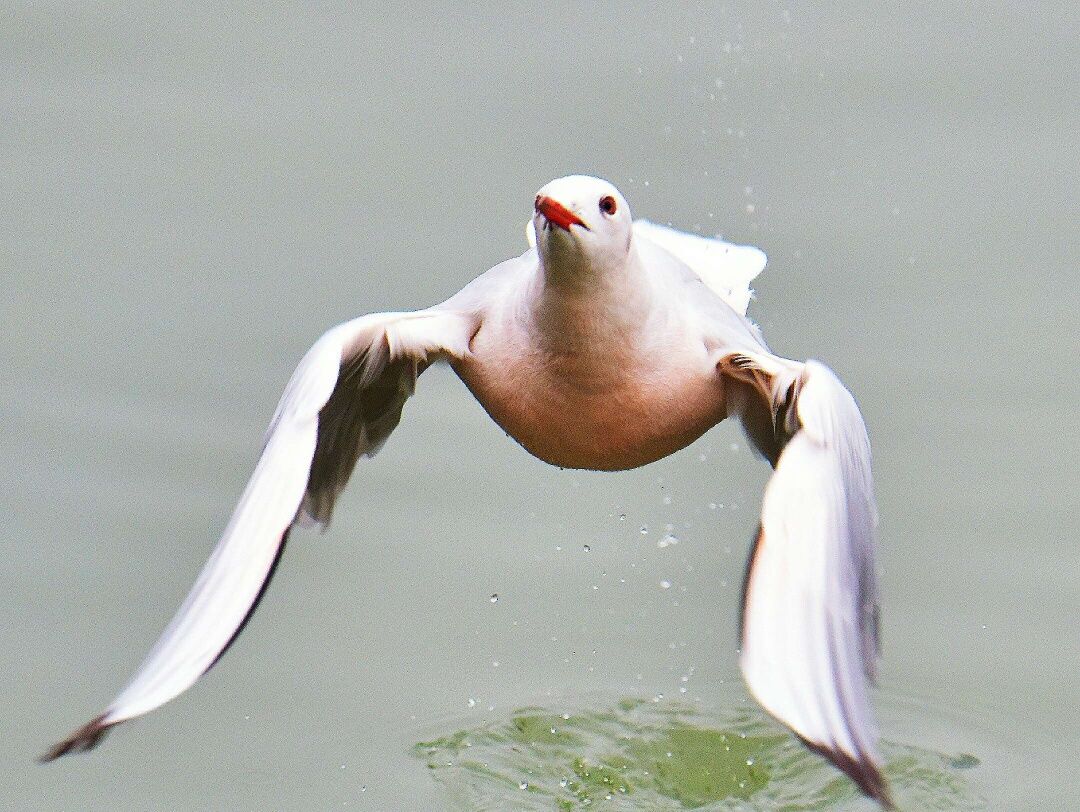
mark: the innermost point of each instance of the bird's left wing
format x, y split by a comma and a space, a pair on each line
341, 403
727, 269
810, 614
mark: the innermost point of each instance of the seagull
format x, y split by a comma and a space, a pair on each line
609, 344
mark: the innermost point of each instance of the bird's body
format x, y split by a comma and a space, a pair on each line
580, 386
607, 345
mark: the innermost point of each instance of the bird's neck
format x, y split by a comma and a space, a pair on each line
580, 307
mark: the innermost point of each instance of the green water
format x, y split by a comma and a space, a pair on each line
660, 755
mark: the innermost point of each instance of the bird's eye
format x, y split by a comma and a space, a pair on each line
608, 205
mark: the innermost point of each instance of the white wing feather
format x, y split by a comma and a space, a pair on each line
726, 268
810, 607
232, 580
238, 567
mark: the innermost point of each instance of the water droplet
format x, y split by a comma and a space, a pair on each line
749, 762
622, 517
712, 505
644, 530
665, 584
586, 548
472, 702
668, 540
494, 597
523, 785
563, 782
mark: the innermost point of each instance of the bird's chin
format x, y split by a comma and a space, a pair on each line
556, 238
556, 245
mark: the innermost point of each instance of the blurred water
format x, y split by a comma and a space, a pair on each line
190, 194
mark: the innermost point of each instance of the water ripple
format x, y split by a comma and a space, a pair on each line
644, 754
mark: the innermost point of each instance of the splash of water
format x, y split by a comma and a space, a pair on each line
667, 756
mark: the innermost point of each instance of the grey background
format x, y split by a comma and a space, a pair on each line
189, 196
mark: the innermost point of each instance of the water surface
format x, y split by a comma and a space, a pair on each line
190, 194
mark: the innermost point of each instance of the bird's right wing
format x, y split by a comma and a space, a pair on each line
726, 268
810, 616
341, 403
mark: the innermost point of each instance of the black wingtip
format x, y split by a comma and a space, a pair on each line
751, 559
85, 738
258, 598
864, 772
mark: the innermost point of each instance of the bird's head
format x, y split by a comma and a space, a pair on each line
581, 224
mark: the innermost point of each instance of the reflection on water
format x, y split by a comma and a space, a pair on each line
660, 755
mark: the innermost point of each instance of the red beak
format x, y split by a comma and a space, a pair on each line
556, 213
